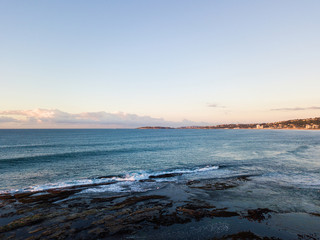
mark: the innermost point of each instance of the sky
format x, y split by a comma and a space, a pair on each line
123, 64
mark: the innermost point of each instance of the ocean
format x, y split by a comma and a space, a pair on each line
283, 165
279, 160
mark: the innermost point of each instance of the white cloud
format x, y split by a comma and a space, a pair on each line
214, 105
54, 118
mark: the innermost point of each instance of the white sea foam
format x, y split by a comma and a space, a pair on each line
123, 187
120, 183
107, 188
183, 171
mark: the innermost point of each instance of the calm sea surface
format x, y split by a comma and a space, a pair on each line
283, 165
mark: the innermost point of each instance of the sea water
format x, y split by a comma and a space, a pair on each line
283, 165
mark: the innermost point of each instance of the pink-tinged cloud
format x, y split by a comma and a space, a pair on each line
54, 118
296, 109
7, 120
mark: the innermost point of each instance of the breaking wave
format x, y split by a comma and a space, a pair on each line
121, 181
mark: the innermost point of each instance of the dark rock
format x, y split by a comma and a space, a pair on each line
218, 213
196, 207
167, 175
6, 196
191, 182
134, 200
215, 186
258, 214
308, 236
315, 214
243, 178
201, 212
146, 180
25, 221
106, 199
111, 176
49, 196
169, 219
99, 232
245, 236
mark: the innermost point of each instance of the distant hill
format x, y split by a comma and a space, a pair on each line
308, 123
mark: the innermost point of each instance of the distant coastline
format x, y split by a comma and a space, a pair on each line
296, 124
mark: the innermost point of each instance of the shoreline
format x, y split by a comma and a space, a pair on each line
304, 129
185, 210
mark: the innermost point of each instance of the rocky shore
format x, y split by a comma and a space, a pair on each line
185, 210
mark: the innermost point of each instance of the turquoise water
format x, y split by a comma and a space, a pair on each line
282, 164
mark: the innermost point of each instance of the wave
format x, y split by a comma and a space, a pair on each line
142, 175
64, 145
77, 154
298, 150
133, 179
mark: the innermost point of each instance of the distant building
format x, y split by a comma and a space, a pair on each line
315, 126
259, 126
308, 126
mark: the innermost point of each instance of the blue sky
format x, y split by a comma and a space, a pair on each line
170, 61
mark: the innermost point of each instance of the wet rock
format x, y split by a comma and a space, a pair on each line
134, 200
105, 219
36, 230
258, 214
6, 196
191, 182
144, 214
169, 219
48, 232
25, 221
315, 214
46, 197
198, 206
243, 178
308, 236
7, 215
33, 238
82, 215
222, 213
211, 184
106, 199
193, 213
99, 232
224, 185
77, 205
202, 211
216, 186
245, 236
123, 229
167, 175
22, 195
147, 180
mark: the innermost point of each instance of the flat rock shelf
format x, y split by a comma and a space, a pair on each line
177, 210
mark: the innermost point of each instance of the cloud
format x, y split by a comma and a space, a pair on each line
296, 109
213, 105
7, 119
55, 118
